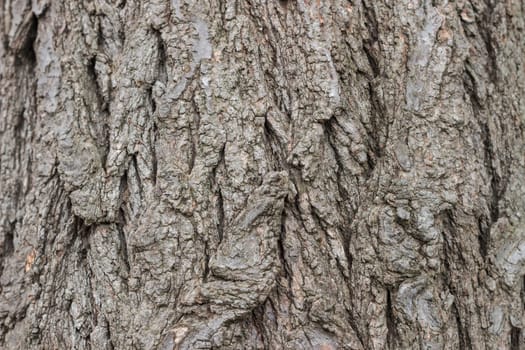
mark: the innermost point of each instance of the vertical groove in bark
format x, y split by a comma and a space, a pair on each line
515, 336
251, 174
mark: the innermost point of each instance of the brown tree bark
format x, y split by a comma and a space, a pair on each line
250, 174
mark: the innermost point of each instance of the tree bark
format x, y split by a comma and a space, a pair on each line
250, 174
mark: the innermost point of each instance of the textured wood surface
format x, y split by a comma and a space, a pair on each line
262, 174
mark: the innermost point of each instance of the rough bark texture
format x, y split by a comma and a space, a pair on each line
262, 174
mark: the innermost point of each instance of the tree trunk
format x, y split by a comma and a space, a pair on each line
247, 174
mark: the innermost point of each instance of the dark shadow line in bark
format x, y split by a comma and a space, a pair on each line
452, 252
378, 122
123, 241
55, 199
25, 75
162, 75
464, 340
373, 30
220, 200
162, 70
149, 97
8, 249
18, 131
9, 239
485, 25
308, 339
103, 109
220, 215
100, 32
352, 322
154, 160
25, 51
137, 173
92, 74
194, 130
124, 188
329, 131
371, 21
495, 179
450, 235
84, 232
5, 46
372, 61
463, 336
219, 205
19, 142
515, 336
274, 147
483, 237
29, 185
122, 220
470, 86
392, 333
207, 257
108, 330
522, 293
484, 225
257, 318
281, 249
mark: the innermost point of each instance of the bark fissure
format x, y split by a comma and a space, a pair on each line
392, 335
515, 338
450, 260
488, 155
220, 215
261, 175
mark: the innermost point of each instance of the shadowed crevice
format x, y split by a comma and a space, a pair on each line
9, 239
378, 127
123, 241
257, 319
24, 42
515, 336
392, 335
452, 257
135, 163
483, 237
274, 150
100, 115
154, 160
220, 215
8, 246
373, 36
496, 193
280, 245
464, 339
329, 131
485, 24
162, 70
